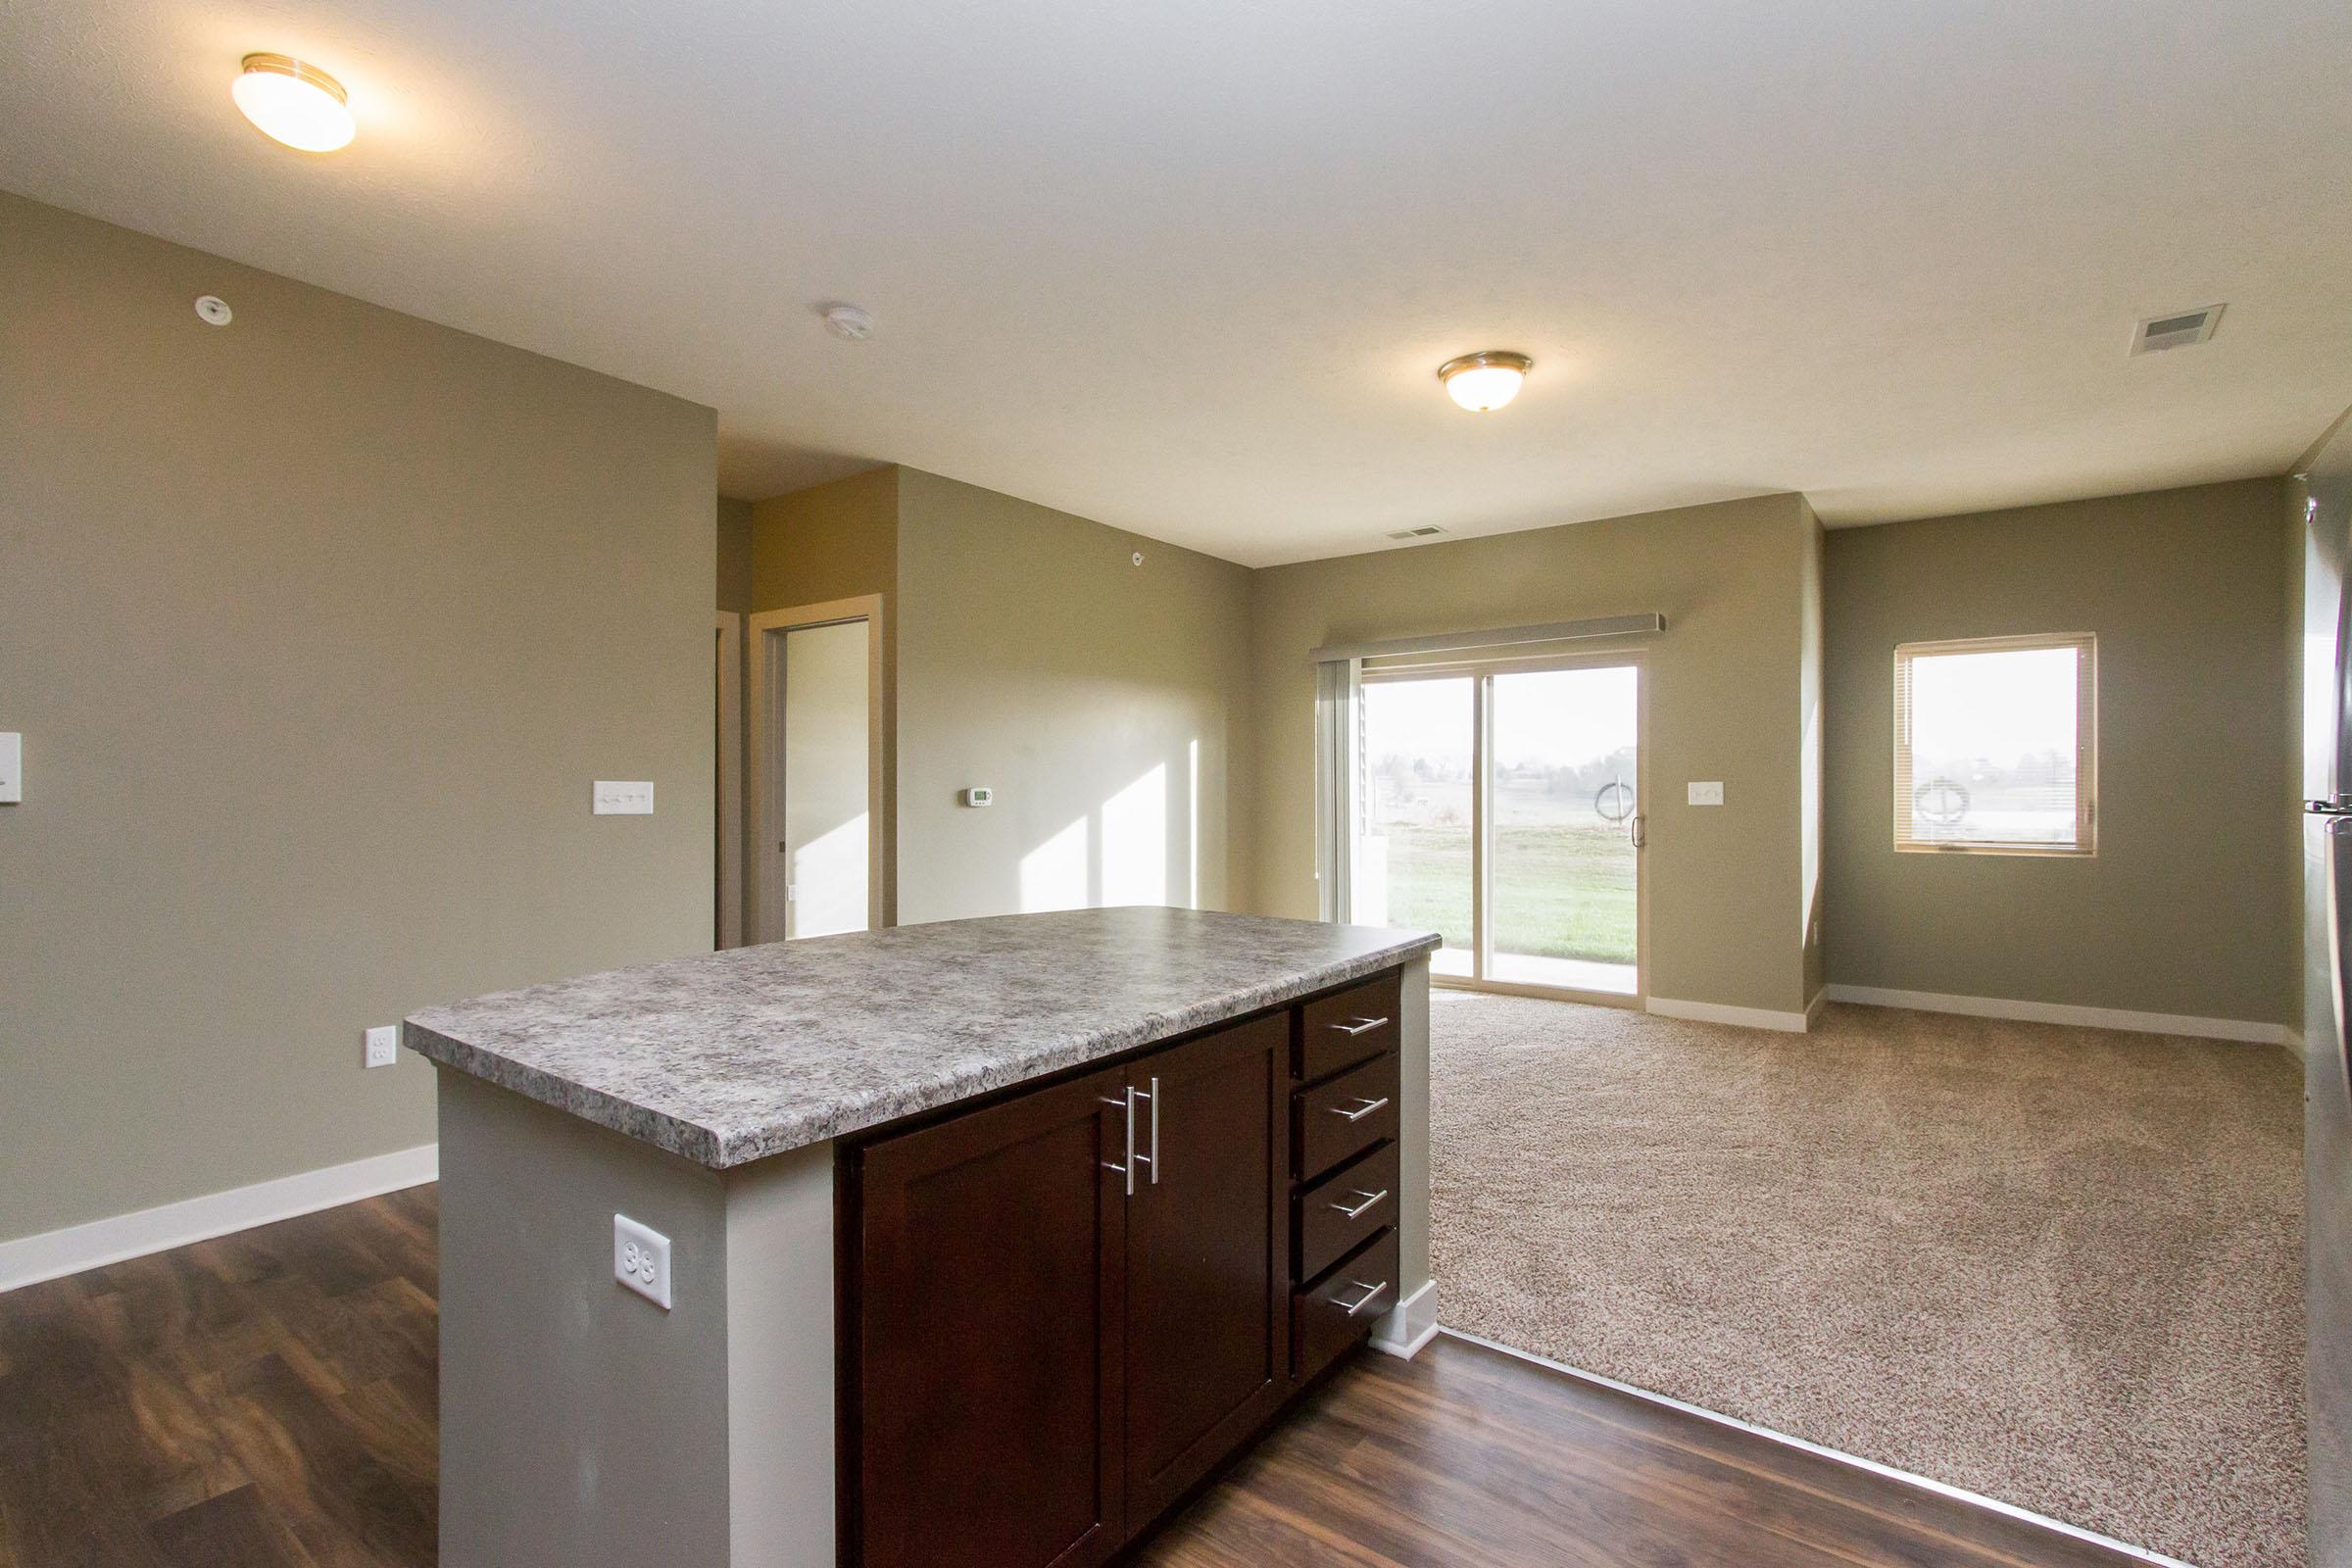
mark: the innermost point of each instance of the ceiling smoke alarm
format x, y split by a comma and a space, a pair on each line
2176, 331
848, 321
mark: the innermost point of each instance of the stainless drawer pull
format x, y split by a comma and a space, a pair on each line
1363, 1109
1369, 1199
1360, 1026
1372, 1293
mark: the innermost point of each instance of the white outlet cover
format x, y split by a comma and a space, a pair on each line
641, 1260
380, 1047
12, 769
1707, 794
613, 796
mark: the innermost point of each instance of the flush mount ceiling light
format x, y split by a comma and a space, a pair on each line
848, 322
1485, 382
299, 104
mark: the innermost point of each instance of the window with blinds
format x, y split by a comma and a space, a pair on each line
1995, 745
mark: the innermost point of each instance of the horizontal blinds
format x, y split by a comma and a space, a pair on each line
2027, 799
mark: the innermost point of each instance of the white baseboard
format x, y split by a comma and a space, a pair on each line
2294, 1040
1410, 1326
2144, 1023
1716, 1013
30, 1259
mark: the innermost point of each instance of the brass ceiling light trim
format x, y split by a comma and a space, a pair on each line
1485, 381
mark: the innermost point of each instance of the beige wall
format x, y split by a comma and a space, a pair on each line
1089, 693
735, 533
1727, 907
319, 628
834, 541
2183, 908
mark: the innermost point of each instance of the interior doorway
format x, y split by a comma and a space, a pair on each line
816, 842
1502, 805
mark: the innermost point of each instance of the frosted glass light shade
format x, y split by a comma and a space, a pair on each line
299, 104
1485, 382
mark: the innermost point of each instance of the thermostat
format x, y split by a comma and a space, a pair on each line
983, 796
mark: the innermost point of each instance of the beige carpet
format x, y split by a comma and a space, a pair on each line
2061, 1267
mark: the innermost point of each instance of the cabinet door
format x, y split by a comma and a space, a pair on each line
1206, 1271
990, 1324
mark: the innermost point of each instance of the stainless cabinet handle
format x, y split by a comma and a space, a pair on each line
1359, 1026
1125, 1102
1372, 1293
1153, 1158
1363, 1110
1369, 1199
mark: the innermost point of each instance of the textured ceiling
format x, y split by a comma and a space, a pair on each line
1189, 267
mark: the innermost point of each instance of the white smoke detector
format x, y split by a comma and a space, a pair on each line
214, 311
848, 321
2178, 329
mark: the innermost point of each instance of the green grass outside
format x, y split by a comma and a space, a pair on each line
1560, 891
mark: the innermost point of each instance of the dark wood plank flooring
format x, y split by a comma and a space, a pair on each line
269, 1399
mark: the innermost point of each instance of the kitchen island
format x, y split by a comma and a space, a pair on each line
976, 1242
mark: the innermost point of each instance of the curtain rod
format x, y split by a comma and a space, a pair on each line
1554, 632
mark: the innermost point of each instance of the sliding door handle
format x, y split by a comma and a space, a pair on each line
1363, 1109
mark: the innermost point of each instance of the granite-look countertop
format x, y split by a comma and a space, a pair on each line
726, 1057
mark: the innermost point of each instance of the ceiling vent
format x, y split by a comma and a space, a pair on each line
2178, 331
1422, 532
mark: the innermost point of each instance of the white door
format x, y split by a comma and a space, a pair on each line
821, 854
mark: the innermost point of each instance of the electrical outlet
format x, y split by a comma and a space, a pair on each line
12, 769
380, 1047
641, 1261
613, 796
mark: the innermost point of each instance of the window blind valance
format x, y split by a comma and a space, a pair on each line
1500, 637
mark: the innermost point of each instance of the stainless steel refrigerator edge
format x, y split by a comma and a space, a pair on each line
2327, 980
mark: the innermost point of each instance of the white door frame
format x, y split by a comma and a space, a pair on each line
729, 870
766, 900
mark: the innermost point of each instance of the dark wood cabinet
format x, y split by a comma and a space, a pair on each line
1063, 1310
1206, 1270
991, 1323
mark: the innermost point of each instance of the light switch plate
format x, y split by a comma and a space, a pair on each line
622, 798
12, 769
641, 1260
1707, 794
380, 1047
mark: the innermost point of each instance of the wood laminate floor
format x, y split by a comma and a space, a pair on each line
269, 1399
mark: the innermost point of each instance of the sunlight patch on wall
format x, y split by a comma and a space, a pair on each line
1054, 874
1135, 841
829, 881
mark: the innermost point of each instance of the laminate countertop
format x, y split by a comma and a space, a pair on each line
726, 1057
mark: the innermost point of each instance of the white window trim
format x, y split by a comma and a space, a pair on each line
2087, 756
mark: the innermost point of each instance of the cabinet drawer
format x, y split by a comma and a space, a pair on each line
1345, 1116
1339, 1309
1348, 1026
1330, 1218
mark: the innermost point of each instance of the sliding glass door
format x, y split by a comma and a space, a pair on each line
1502, 806
1414, 857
